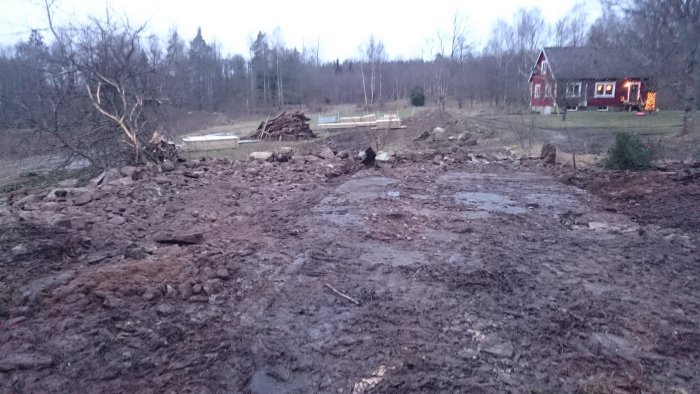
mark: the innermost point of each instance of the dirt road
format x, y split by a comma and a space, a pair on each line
481, 278
439, 273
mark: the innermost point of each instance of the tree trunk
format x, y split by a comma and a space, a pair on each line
364, 87
690, 91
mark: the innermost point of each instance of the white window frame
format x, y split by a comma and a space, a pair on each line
573, 84
538, 91
604, 84
548, 90
544, 67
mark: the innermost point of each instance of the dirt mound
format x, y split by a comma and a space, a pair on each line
665, 198
285, 127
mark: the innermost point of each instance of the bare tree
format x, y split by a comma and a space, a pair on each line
122, 85
667, 31
571, 30
374, 54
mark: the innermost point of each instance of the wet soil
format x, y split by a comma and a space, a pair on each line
471, 275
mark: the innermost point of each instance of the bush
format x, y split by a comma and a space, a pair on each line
629, 153
417, 97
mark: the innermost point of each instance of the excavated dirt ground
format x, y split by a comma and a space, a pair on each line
471, 275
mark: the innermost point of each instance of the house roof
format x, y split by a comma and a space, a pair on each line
595, 63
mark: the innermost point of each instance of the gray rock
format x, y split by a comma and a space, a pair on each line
185, 290
25, 361
165, 309
383, 156
344, 154
83, 198
261, 156
169, 290
128, 171
196, 289
117, 220
438, 133
152, 294
464, 135
327, 153
212, 286
167, 165
111, 175
112, 301
222, 273
284, 153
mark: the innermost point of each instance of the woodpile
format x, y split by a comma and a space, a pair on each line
285, 127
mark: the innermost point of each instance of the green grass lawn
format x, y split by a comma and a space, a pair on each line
662, 121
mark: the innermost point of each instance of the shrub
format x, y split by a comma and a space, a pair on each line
629, 153
417, 97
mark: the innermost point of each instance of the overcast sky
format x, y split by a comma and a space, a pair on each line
340, 27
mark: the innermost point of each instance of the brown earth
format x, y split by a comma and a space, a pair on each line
472, 274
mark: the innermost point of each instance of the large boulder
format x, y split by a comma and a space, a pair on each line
327, 153
438, 133
262, 156
384, 157
283, 153
167, 165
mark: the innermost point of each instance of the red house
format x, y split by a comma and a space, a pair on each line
599, 79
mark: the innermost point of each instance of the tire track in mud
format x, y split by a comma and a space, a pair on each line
468, 281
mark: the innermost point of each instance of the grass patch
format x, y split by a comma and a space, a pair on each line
661, 121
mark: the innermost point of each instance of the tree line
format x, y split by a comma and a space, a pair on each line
106, 79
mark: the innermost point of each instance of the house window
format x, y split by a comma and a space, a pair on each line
573, 89
538, 92
604, 89
544, 67
547, 91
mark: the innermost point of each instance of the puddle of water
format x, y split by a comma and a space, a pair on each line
490, 202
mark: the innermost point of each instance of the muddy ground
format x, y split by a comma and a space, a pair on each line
441, 271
